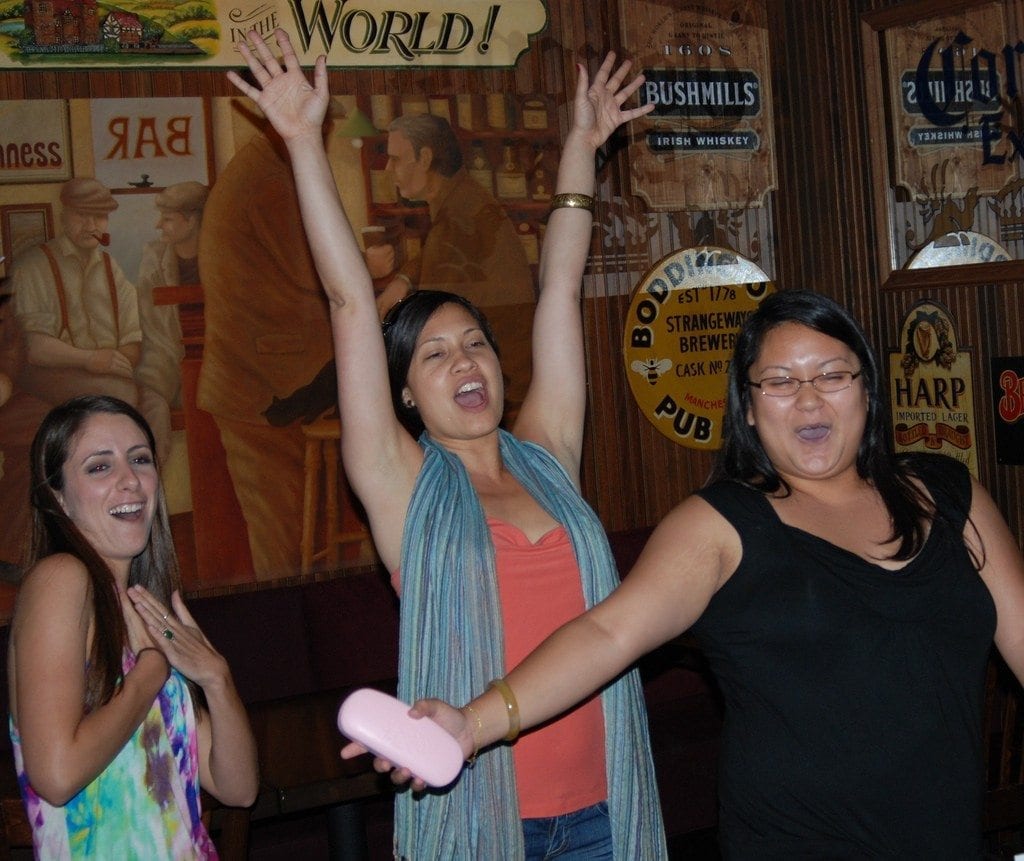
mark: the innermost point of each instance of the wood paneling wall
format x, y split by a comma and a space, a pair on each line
829, 187
824, 214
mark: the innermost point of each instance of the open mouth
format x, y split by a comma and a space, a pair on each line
127, 511
471, 394
813, 433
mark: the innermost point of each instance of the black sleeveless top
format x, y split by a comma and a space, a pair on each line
853, 693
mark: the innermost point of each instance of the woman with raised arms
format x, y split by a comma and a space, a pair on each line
484, 531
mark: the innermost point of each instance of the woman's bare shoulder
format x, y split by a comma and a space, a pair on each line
695, 516
694, 537
59, 577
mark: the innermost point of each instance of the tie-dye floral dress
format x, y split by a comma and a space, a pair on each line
144, 805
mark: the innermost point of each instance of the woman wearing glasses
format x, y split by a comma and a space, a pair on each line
846, 598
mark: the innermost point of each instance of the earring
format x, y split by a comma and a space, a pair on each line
408, 404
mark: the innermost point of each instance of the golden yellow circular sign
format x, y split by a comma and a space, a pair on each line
679, 338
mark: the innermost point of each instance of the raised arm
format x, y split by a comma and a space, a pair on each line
689, 556
553, 410
381, 459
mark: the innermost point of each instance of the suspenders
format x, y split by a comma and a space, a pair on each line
58, 282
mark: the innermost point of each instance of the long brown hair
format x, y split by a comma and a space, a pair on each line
156, 567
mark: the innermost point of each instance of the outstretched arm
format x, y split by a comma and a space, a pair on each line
381, 459
553, 410
688, 557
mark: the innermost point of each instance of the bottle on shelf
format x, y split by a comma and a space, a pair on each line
540, 178
415, 104
510, 179
497, 111
382, 112
464, 113
440, 107
534, 113
480, 166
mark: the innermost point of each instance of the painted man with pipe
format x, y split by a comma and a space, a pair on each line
77, 311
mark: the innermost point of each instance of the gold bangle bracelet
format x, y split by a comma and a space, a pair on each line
511, 707
476, 734
572, 200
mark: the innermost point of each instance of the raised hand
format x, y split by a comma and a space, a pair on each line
598, 106
293, 106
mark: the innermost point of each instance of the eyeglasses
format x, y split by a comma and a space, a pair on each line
786, 387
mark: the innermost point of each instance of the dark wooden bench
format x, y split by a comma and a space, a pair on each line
296, 651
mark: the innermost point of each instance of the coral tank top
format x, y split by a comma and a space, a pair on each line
560, 766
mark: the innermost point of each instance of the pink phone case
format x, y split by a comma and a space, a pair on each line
382, 725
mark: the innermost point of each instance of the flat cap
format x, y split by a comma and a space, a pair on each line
183, 197
87, 195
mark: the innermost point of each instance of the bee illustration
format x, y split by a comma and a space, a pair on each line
652, 367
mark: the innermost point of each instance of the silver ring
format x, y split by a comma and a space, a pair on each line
168, 633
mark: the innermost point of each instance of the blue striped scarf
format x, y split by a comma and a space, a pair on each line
451, 646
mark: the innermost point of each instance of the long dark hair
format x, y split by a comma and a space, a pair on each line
743, 458
156, 567
402, 327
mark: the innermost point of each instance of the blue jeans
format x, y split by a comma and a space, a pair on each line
583, 835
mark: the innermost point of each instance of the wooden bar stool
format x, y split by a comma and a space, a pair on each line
340, 526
